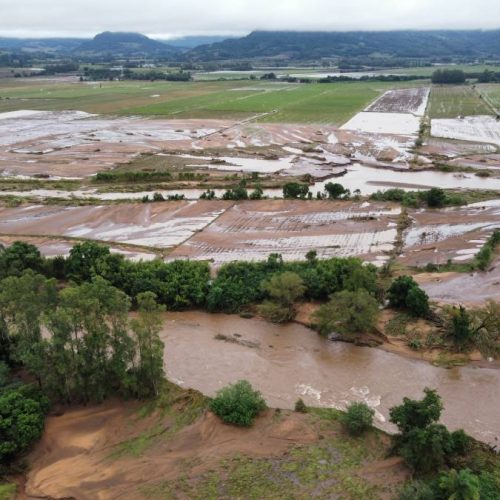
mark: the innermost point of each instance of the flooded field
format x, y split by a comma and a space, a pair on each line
470, 289
160, 225
470, 128
453, 233
253, 230
288, 362
402, 101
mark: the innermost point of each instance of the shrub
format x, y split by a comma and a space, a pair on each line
238, 404
358, 418
404, 293
347, 312
292, 190
417, 490
462, 485
21, 422
300, 406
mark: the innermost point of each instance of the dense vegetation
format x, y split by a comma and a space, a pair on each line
454, 76
352, 44
433, 198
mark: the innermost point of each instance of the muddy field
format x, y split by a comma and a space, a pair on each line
402, 101
253, 230
159, 225
482, 129
456, 234
469, 289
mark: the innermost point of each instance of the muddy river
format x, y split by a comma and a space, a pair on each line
288, 362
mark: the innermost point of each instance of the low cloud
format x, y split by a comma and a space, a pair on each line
170, 18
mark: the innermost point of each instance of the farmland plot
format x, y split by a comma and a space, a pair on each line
470, 128
412, 101
456, 234
253, 230
160, 225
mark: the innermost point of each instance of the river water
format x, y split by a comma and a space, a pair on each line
291, 361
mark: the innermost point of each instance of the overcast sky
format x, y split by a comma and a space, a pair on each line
171, 18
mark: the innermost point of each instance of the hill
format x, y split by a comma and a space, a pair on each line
124, 45
295, 45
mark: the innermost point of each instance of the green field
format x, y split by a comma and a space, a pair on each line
294, 103
456, 100
491, 93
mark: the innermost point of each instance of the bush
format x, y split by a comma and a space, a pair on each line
404, 293
300, 406
417, 490
424, 444
347, 313
21, 422
462, 485
358, 418
292, 190
284, 289
238, 404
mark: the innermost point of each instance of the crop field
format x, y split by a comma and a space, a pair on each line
491, 93
453, 101
280, 102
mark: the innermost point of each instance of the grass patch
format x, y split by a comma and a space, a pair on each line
175, 408
8, 491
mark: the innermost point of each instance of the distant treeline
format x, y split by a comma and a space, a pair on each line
127, 74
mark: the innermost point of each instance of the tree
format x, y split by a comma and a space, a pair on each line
462, 485
19, 257
417, 414
293, 190
238, 404
446, 76
284, 289
348, 313
424, 444
149, 368
21, 422
404, 293
459, 328
23, 301
83, 258
336, 191
436, 198
485, 326
90, 349
358, 418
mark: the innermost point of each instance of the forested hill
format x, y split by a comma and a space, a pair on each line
126, 45
312, 45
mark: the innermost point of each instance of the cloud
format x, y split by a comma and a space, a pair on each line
166, 18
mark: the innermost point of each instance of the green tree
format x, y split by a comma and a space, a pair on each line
435, 198
358, 418
284, 289
293, 190
91, 350
238, 404
336, 191
147, 326
83, 259
460, 328
348, 313
426, 445
404, 293
21, 423
461, 485
23, 301
417, 414
19, 257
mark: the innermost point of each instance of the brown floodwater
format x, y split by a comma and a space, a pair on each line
291, 361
